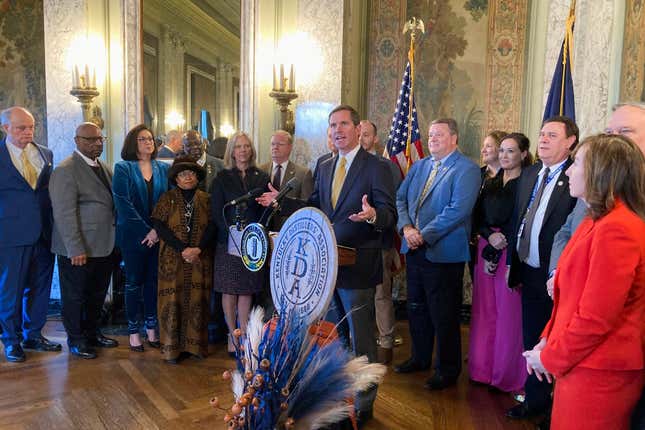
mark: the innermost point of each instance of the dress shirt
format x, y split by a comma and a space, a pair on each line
202, 159
349, 157
89, 161
533, 259
33, 154
283, 170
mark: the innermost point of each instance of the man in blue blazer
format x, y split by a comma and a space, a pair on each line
26, 264
434, 204
355, 190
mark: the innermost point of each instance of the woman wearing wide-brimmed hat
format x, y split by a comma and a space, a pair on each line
181, 219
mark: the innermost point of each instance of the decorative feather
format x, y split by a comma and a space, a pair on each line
330, 414
254, 331
364, 374
237, 384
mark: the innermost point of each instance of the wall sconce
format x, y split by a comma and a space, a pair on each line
284, 94
175, 120
85, 54
226, 130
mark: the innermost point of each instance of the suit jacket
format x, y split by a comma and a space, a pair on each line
566, 231
212, 166
83, 209
165, 152
25, 213
599, 297
559, 207
305, 184
444, 215
366, 175
131, 201
319, 161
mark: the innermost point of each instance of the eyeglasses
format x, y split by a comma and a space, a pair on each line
185, 174
93, 139
145, 139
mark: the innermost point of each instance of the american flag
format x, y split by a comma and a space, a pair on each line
404, 141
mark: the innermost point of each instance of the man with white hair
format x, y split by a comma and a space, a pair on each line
26, 264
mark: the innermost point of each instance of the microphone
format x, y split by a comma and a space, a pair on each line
255, 192
290, 185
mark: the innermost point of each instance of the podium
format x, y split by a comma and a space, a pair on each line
346, 255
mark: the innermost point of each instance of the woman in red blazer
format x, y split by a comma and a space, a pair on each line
593, 344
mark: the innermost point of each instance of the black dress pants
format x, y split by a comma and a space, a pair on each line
536, 312
434, 300
83, 290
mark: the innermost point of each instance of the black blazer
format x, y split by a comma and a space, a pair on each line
367, 175
228, 185
560, 205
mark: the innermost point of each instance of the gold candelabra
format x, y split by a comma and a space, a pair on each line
85, 91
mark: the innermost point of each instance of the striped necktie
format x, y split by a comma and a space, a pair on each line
426, 187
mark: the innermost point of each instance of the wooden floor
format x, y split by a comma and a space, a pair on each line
126, 390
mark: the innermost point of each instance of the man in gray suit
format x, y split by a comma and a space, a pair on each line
281, 171
195, 147
83, 239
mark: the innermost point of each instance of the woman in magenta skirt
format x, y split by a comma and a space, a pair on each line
495, 355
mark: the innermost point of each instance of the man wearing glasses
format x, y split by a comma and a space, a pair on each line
26, 264
83, 239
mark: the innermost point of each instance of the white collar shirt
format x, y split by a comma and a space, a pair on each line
33, 154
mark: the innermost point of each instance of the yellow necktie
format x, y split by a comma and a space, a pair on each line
339, 179
28, 170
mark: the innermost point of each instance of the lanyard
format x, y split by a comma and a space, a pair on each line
546, 182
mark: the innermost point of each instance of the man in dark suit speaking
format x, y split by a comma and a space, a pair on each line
26, 264
355, 190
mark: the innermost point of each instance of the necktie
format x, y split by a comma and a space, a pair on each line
525, 239
339, 179
426, 187
28, 170
277, 177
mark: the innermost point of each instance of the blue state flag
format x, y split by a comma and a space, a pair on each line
561, 100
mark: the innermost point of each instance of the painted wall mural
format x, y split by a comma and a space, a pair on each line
22, 60
471, 50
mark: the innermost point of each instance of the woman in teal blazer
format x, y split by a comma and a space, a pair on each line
138, 182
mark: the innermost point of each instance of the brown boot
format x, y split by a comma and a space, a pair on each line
384, 355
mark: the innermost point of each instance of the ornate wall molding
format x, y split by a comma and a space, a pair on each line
505, 63
632, 80
133, 88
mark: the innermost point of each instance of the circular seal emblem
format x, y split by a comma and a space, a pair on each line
254, 247
304, 264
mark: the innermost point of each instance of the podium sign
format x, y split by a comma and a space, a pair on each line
304, 264
254, 247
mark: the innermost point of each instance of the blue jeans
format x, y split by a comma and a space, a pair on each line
141, 287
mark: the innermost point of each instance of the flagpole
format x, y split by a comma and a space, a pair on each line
414, 26
567, 49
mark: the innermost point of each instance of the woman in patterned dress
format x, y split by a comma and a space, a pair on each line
182, 221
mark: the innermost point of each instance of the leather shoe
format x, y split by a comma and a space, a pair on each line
519, 412
14, 353
154, 344
101, 341
82, 352
41, 344
409, 366
137, 348
384, 355
438, 382
362, 417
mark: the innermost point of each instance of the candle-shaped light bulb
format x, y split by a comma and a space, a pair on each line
87, 76
276, 86
281, 77
292, 79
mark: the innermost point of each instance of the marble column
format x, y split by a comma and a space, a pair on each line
224, 94
318, 98
171, 75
